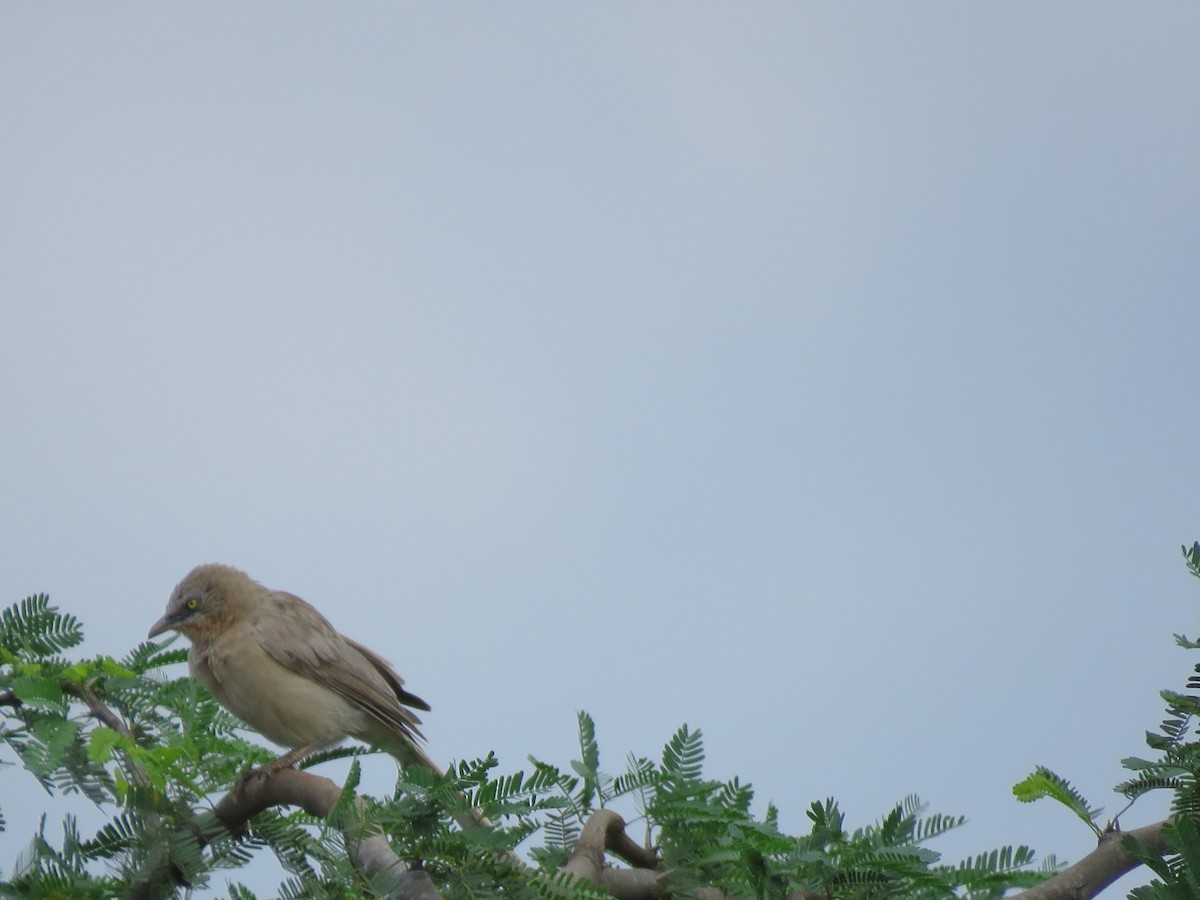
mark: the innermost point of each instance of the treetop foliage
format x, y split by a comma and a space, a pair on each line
163, 761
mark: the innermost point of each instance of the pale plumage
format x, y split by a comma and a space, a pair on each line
278, 665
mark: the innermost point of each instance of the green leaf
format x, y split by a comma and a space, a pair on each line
38, 691
53, 736
1183, 835
101, 743
683, 756
1045, 783
588, 766
34, 628
346, 812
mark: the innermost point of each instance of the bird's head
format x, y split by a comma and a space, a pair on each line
202, 602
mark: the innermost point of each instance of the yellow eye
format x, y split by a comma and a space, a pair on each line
193, 603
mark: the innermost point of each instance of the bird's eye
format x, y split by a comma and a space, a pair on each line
193, 603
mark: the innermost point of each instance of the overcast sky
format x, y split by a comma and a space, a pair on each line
821, 375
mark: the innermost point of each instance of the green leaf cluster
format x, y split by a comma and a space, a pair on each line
1173, 767
152, 750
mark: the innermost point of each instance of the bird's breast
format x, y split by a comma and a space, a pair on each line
283, 706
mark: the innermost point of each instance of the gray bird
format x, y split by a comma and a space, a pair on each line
278, 665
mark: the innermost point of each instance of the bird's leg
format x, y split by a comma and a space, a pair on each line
286, 761
289, 759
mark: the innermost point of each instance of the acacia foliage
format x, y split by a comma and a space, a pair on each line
153, 751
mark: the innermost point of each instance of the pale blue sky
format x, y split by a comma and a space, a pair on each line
820, 375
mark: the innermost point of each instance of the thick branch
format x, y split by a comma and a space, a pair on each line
1100, 868
604, 832
632, 884
316, 795
588, 858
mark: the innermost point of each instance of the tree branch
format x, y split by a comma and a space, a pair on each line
371, 854
632, 884
97, 708
317, 795
604, 832
1100, 868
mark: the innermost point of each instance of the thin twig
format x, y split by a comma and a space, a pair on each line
97, 707
107, 717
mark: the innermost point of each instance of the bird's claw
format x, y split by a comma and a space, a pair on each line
261, 773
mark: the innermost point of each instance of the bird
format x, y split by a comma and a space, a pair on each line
277, 664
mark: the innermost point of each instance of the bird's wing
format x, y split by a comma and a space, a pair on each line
302, 640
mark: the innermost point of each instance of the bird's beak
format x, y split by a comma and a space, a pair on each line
166, 623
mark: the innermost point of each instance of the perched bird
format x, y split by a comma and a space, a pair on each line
278, 665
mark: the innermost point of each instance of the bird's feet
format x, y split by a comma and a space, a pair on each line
287, 761
249, 777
